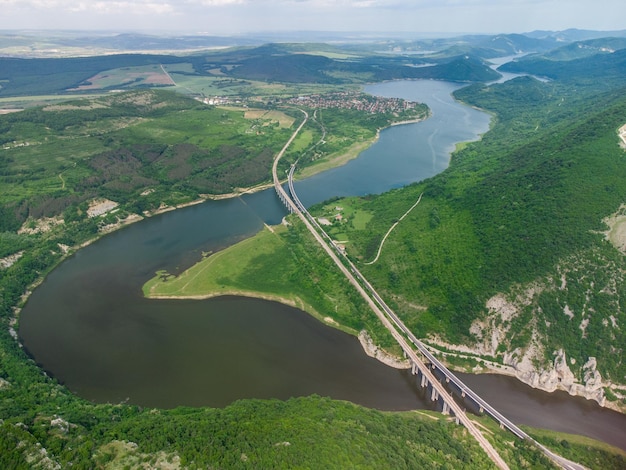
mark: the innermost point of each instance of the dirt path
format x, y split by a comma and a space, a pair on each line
380, 248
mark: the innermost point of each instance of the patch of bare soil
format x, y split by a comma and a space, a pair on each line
622, 136
100, 207
616, 234
10, 260
43, 225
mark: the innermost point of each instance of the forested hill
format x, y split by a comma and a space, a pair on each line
310, 68
135, 148
605, 67
459, 59
518, 217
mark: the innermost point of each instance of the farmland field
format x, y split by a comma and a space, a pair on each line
147, 75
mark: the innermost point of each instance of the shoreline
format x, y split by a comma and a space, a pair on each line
296, 302
366, 342
352, 152
487, 365
372, 350
133, 218
335, 162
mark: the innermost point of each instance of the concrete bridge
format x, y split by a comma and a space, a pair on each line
423, 367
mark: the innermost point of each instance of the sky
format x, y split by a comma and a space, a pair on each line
232, 17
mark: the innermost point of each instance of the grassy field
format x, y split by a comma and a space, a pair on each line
351, 213
223, 273
218, 84
272, 116
217, 273
20, 102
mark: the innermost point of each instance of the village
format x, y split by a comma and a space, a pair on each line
341, 100
355, 101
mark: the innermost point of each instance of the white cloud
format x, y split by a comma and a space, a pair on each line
32, 3
218, 3
98, 6
233, 16
116, 7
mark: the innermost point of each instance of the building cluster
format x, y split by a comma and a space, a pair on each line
356, 101
217, 100
101, 207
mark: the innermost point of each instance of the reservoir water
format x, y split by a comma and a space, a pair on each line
89, 326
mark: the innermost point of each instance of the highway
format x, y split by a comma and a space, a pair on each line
393, 323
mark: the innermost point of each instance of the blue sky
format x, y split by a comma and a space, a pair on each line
224, 17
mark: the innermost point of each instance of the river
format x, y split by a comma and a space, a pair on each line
89, 326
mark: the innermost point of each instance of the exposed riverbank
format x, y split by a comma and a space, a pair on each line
558, 377
217, 274
295, 302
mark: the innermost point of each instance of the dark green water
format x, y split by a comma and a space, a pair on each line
89, 326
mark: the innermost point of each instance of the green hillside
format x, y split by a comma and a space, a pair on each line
519, 215
140, 149
581, 49
598, 70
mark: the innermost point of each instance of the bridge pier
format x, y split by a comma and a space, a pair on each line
446, 408
434, 395
424, 381
283, 199
413, 369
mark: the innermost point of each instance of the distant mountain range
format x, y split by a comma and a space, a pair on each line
69, 60
65, 43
